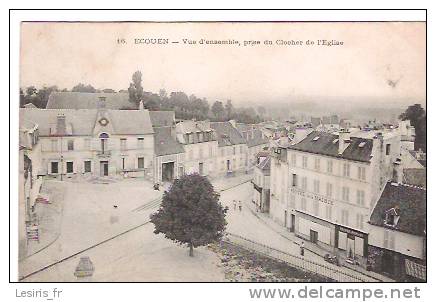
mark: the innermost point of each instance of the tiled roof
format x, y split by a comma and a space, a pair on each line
162, 118
328, 144
411, 204
88, 100
227, 135
165, 143
265, 165
82, 121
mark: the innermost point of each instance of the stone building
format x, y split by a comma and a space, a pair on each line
261, 184
397, 227
324, 187
200, 143
232, 149
94, 142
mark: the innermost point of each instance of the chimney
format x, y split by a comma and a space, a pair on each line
101, 102
344, 140
61, 125
398, 172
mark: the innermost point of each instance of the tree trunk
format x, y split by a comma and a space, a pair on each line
191, 250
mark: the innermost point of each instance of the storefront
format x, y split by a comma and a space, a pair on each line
353, 243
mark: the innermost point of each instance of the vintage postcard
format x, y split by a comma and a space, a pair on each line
222, 152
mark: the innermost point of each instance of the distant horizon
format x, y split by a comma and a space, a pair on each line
380, 60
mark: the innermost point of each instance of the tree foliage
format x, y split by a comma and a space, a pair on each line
418, 119
218, 110
38, 97
84, 88
136, 91
191, 213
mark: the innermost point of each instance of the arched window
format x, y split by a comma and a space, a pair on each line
104, 136
103, 141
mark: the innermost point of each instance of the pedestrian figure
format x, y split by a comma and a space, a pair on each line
234, 204
240, 206
302, 248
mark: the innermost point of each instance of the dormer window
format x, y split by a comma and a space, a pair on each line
392, 217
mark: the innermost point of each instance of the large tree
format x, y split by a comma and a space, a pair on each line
218, 109
418, 119
191, 213
229, 109
136, 92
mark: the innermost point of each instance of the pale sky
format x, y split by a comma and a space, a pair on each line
65, 54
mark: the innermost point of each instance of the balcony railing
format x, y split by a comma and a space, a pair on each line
105, 153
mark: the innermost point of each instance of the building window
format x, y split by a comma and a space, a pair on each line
361, 173
328, 212
123, 163
140, 142
87, 166
330, 166
388, 149
317, 164
303, 204
234, 150
292, 201
54, 167
123, 143
315, 207
87, 144
294, 180
54, 145
344, 217
140, 163
304, 183
316, 186
359, 221
345, 194
329, 190
304, 161
210, 151
293, 160
70, 167
361, 197
70, 145
346, 170
200, 151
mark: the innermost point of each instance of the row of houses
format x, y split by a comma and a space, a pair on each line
358, 195
92, 135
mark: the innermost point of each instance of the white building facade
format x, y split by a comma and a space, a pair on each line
324, 187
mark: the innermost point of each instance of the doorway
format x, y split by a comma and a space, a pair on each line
292, 228
313, 236
350, 246
200, 168
104, 168
286, 219
168, 171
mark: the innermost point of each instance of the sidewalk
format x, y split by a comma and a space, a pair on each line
308, 245
49, 217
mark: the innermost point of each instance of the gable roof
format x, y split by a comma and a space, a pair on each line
82, 121
88, 100
265, 166
162, 118
164, 143
328, 144
411, 202
227, 135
